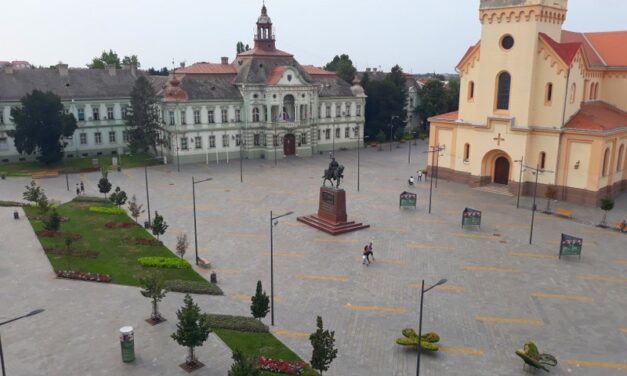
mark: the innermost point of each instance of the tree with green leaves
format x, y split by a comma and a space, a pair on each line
343, 66
153, 288
161, 72
192, 330
106, 58
131, 60
550, 194
380, 139
158, 225
243, 365
135, 208
118, 197
40, 125
241, 47
54, 221
324, 351
33, 192
452, 95
43, 203
433, 99
386, 100
606, 204
181, 244
143, 117
104, 185
260, 303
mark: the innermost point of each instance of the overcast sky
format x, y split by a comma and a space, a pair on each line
419, 35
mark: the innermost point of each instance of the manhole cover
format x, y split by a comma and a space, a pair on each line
227, 190
171, 183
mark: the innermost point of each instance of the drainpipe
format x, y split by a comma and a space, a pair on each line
559, 145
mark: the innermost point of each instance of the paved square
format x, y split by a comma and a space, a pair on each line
501, 291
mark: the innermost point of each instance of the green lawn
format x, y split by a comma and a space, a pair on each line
115, 257
72, 166
256, 344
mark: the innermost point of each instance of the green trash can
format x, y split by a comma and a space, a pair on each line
127, 342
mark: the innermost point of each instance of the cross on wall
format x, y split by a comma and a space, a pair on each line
498, 139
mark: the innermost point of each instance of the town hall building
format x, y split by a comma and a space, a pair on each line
532, 94
263, 104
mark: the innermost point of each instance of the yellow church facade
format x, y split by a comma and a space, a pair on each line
532, 92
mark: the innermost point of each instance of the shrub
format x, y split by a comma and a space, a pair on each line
164, 262
239, 323
90, 199
84, 276
106, 210
54, 222
193, 287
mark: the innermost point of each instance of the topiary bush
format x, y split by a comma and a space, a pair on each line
239, 323
105, 210
410, 338
90, 199
193, 287
164, 262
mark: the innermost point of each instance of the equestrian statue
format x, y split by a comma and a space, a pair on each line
334, 172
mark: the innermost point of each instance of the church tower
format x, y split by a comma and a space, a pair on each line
264, 39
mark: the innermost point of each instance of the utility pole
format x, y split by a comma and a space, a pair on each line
521, 161
435, 150
537, 171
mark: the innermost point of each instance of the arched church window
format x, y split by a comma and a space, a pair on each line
471, 90
466, 152
542, 160
548, 98
573, 92
503, 88
255, 114
619, 161
606, 161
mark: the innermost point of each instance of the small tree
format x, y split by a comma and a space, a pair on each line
33, 192
118, 197
260, 303
550, 194
192, 329
43, 203
135, 208
606, 204
181, 244
324, 351
68, 250
158, 225
380, 139
243, 365
104, 185
153, 288
54, 221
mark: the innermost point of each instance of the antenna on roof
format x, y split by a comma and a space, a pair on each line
173, 67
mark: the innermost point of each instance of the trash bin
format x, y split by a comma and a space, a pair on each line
127, 343
213, 277
146, 224
16, 215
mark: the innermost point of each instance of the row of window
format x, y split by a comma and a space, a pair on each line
211, 118
98, 138
95, 113
619, 160
338, 110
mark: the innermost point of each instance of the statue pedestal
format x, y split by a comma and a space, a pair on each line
331, 217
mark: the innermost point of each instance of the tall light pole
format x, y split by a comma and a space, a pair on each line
435, 151
32, 313
194, 204
147, 191
358, 139
273, 222
422, 294
536, 171
521, 161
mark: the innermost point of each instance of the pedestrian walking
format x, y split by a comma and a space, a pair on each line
419, 175
82, 187
78, 190
365, 260
426, 174
370, 250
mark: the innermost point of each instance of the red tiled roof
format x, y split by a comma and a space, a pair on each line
275, 75
598, 116
469, 51
566, 51
612, 46
261, 52
447, 116
572, 37
315, 71
208, 68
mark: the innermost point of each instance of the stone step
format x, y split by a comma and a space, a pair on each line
331, 228
497, 189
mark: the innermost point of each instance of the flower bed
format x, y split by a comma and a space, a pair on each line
112, 225
91, 199
288, 367
64, 252
105, 210
58, 234
164, 262
143, 241
84, 276
239, 323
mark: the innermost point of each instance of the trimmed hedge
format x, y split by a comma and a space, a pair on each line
239, 323
164, 262
193, 287
105, 210
90, 199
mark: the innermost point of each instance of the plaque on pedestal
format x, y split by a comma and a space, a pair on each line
331, 217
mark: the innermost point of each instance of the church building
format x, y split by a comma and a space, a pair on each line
533, 94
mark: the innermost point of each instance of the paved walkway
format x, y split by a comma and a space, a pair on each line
501, 291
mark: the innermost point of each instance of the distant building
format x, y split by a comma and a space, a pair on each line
16, 64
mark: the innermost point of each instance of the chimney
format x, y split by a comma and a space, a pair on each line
8, 69
374, 70
368, 70
111, 69
225, 60
182, 64
130, 67
63, 69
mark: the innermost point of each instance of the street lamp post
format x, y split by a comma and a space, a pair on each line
422, 294
32, 313
435, 150
194, 205
358, 139
273, 222
521, 161
536, 171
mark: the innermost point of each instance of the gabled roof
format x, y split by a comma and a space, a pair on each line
469, 52
315, 71
605, 49
598, 116
265, 52
275, 75
566, 51
208, 68
449, 116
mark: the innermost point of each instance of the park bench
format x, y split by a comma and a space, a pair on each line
203, 262
45, 174
564, 213
620, 226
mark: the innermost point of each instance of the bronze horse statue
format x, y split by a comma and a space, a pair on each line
334, 172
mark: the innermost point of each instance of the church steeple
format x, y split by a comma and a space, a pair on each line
264, 39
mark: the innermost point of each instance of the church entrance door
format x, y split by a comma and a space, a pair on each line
501, 170
289, 144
